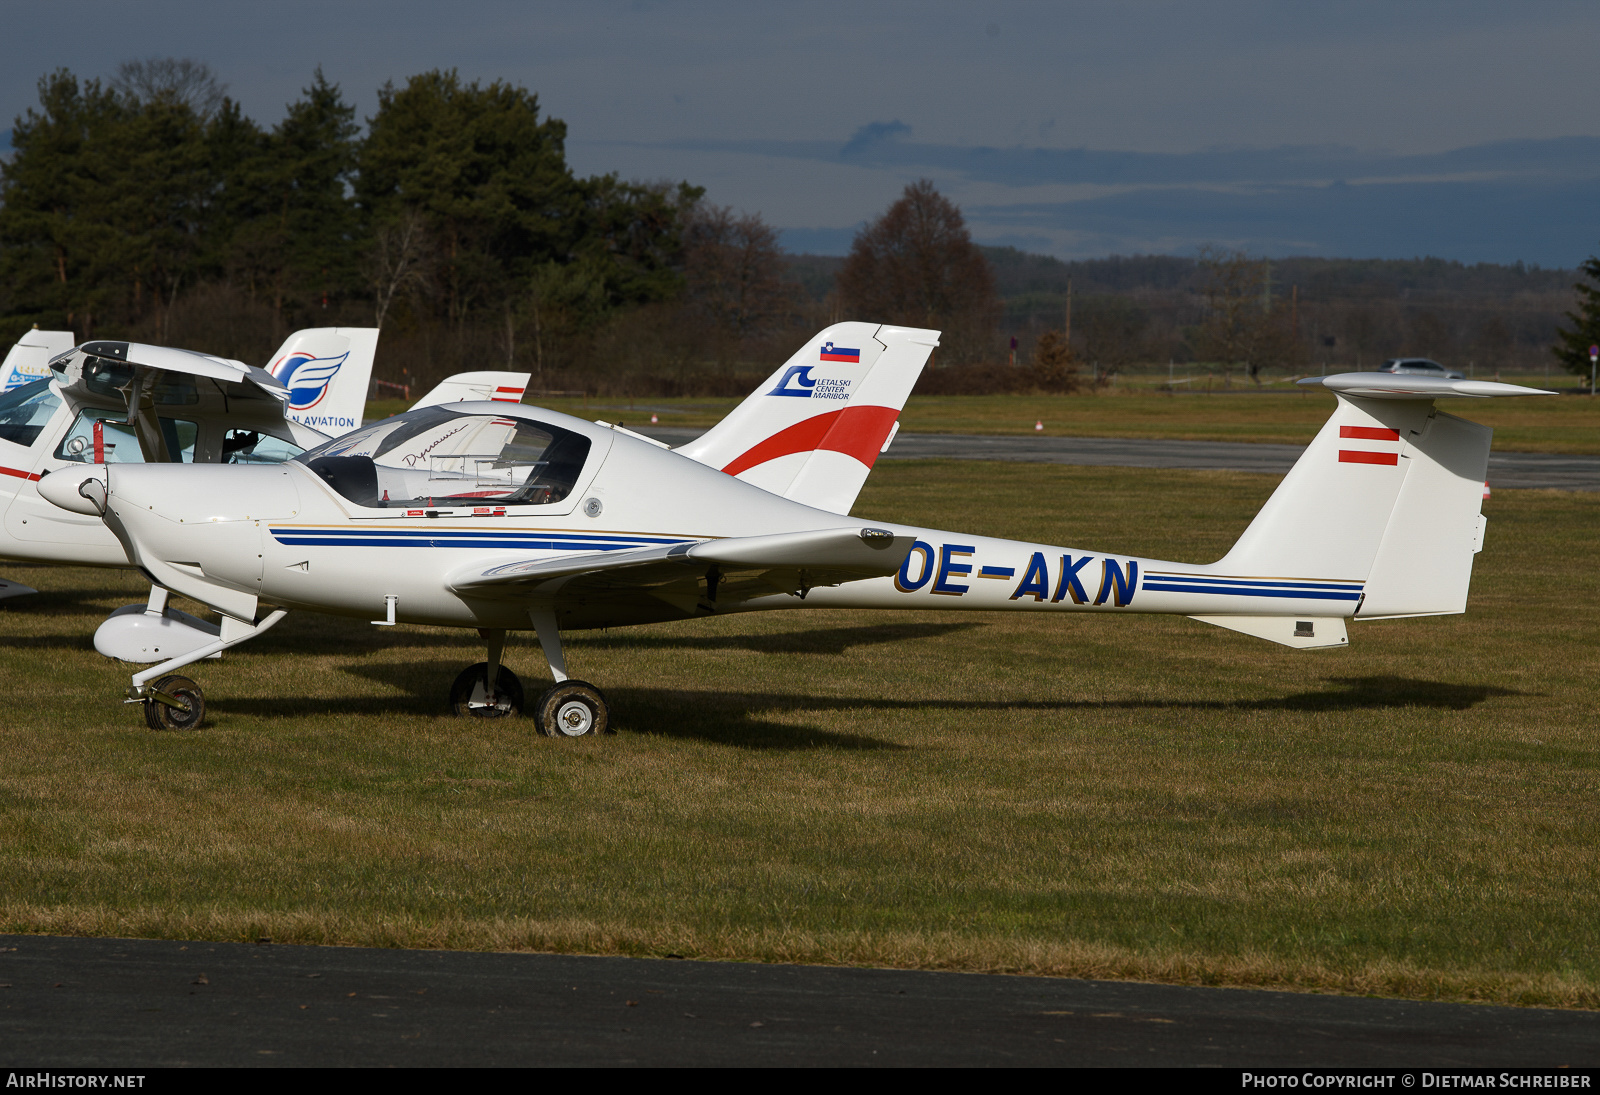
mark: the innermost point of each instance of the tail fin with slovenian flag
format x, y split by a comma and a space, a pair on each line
814, 429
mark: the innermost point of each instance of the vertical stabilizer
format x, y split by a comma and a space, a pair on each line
326, 370
29, 359
813, 430
1388, 494
1327, 517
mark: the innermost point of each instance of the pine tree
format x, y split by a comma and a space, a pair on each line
1572, 347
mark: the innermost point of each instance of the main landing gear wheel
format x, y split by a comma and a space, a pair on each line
572, 709
470, 696
185, 714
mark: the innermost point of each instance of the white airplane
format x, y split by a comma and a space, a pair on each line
504, 518
98, 375
117, 402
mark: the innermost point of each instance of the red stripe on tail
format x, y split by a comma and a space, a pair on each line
1357, 456
858, 432
1369, 433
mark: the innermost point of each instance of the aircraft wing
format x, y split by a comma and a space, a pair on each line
732, 569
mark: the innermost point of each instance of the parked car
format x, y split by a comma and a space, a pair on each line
1419, 366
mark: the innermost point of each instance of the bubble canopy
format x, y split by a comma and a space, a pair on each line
441, 456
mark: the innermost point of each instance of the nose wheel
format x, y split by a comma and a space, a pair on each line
470, 694
174, 703
572, 709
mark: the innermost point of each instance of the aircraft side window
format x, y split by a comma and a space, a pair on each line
25, 410
353, 477
250, 447
106, 376
93, 439
452, 459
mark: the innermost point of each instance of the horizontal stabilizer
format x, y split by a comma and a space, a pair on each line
1410, 386
491, 385
1314, 634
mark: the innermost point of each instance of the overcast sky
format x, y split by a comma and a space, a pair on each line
1457, 129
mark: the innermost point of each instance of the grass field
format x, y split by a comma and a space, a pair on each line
1150, 798
1564, 424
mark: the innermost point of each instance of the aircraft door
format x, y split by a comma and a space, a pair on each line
68, 440
33, 420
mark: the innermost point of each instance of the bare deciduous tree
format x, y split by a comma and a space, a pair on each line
917, 265
181, 82
1244, 325
1053, 364
400, 260
734, 268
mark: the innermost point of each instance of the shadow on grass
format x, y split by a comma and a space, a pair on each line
724, 717
729, 718
317, 635
83, 642
1370, 692
822, 640
96, 604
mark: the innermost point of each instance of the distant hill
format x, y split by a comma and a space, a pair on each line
1354, 311
1021, 273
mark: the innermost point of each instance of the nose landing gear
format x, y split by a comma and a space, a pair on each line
174, 703
470, 694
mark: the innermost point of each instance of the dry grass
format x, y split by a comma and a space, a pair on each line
1142, 798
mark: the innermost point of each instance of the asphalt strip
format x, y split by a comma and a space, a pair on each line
1517, 470
130, 1003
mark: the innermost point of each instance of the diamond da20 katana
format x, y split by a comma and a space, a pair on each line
503, 517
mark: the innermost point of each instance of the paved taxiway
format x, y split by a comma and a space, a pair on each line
1506, 469
122, 1003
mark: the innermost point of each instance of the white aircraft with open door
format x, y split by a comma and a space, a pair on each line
503, 518
99, 376
120, 402
110, 402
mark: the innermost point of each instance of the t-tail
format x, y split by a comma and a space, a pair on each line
1388, 495
327, 370
1379, 518
813, 430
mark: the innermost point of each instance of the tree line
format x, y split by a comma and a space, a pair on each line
148, 206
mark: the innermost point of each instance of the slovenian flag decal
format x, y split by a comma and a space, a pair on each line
830, 352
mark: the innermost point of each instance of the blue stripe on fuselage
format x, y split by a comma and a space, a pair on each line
466, 538
1302, 593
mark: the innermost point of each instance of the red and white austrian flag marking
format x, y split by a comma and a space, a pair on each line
1369, 455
